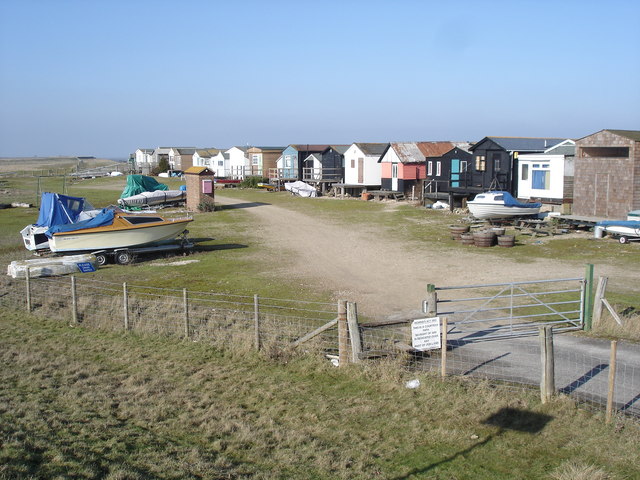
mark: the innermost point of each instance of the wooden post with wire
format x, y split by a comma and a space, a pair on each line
547, 360
431, 301
185, 302
28, 279
343, 334
443, 353
125, 305
597, 304
256, 318
354, 331
612, 379
74, 301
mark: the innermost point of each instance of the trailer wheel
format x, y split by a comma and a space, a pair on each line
623, 239
102, 259
124, 257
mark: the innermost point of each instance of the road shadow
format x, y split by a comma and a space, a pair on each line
234, 206
504, 419
630, 403
486, 362
573, 386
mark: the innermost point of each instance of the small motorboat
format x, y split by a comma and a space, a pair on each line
142, 191
301, 188
158, 197
497, 204
624, 230
64, 226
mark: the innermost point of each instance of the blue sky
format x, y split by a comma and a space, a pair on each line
106, 77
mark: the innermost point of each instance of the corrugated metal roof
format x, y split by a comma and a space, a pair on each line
435, 149
524, 144
630, 134
372, 148
407, 152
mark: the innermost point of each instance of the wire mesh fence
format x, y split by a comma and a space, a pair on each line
244, 322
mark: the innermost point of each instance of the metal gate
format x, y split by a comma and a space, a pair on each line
483, 312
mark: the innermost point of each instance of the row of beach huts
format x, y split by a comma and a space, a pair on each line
595, 176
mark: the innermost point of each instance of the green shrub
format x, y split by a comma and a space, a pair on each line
252, 182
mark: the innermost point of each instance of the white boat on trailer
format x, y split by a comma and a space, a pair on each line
624, 230
64, 226
498, 204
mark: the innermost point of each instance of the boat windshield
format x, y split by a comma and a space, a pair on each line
140, 220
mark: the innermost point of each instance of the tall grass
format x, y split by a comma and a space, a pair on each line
91, 404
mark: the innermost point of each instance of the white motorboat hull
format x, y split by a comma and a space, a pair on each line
79, 241
623, 231
485, 211
158, 197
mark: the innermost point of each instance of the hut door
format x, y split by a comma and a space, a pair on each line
394, 177
601, 197
455, 173
361, 170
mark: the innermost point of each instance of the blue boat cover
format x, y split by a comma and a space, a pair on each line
619, 223
56, 209
105, 217
509, 201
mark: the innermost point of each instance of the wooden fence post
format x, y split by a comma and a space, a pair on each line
597, 305
125, 303
443, 353
343, 344
185, 301
256, 318
28, 279
547, 376
74, 301
354, 331
612, 379
432, 301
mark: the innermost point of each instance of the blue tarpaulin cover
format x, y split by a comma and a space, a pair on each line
56, 209
509, 201
619, 223
105, 217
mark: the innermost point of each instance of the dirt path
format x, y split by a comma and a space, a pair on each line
386, 277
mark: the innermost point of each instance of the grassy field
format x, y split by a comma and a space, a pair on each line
81, 403
244, 263
78, 403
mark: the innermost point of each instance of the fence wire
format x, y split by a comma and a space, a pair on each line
242, 322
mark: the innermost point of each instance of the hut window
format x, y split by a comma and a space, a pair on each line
438, 168
394, 170
525, 172
353, 163
541, 177
481, 163
463, 166
430, 168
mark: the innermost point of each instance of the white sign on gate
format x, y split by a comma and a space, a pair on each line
425, 334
